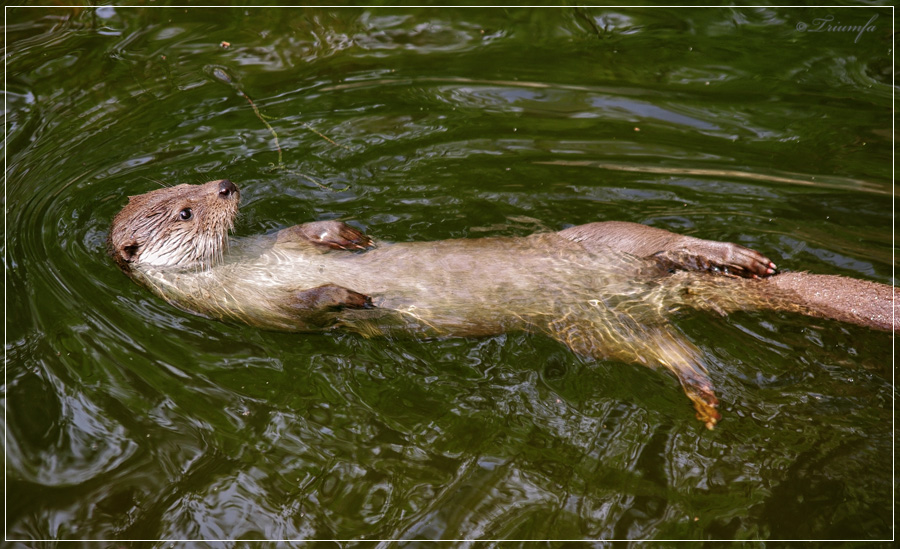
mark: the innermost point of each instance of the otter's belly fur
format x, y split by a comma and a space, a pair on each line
601, 302
447, 288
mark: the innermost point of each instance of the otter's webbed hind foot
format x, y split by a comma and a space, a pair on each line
672, 250
626, 340
329, 235
717, 257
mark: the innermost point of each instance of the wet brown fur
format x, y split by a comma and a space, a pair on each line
604, 289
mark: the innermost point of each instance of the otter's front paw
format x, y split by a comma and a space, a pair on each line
329, 297
332, 235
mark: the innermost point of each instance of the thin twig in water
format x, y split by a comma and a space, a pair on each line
325, 137
306, 177
220, 74
263, 120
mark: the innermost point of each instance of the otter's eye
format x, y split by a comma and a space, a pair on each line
185, 214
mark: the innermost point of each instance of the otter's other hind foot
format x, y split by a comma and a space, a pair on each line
683, 359
700, 391
626, 340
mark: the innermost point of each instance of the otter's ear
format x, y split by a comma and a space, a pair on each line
124, 255
128, 251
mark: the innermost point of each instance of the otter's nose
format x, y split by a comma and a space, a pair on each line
227, 189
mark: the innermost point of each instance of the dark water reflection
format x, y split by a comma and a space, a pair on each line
130, 420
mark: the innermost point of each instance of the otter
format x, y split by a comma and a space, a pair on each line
604, 289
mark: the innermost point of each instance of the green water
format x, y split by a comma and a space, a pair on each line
128, 419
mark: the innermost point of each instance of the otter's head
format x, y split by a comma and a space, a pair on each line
183, 226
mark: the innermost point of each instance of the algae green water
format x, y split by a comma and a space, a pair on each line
127, 419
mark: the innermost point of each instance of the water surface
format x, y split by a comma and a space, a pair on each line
128, 419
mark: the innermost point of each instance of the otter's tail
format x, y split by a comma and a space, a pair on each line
825, 296
846, 299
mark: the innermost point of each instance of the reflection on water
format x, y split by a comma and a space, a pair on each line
130, 420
